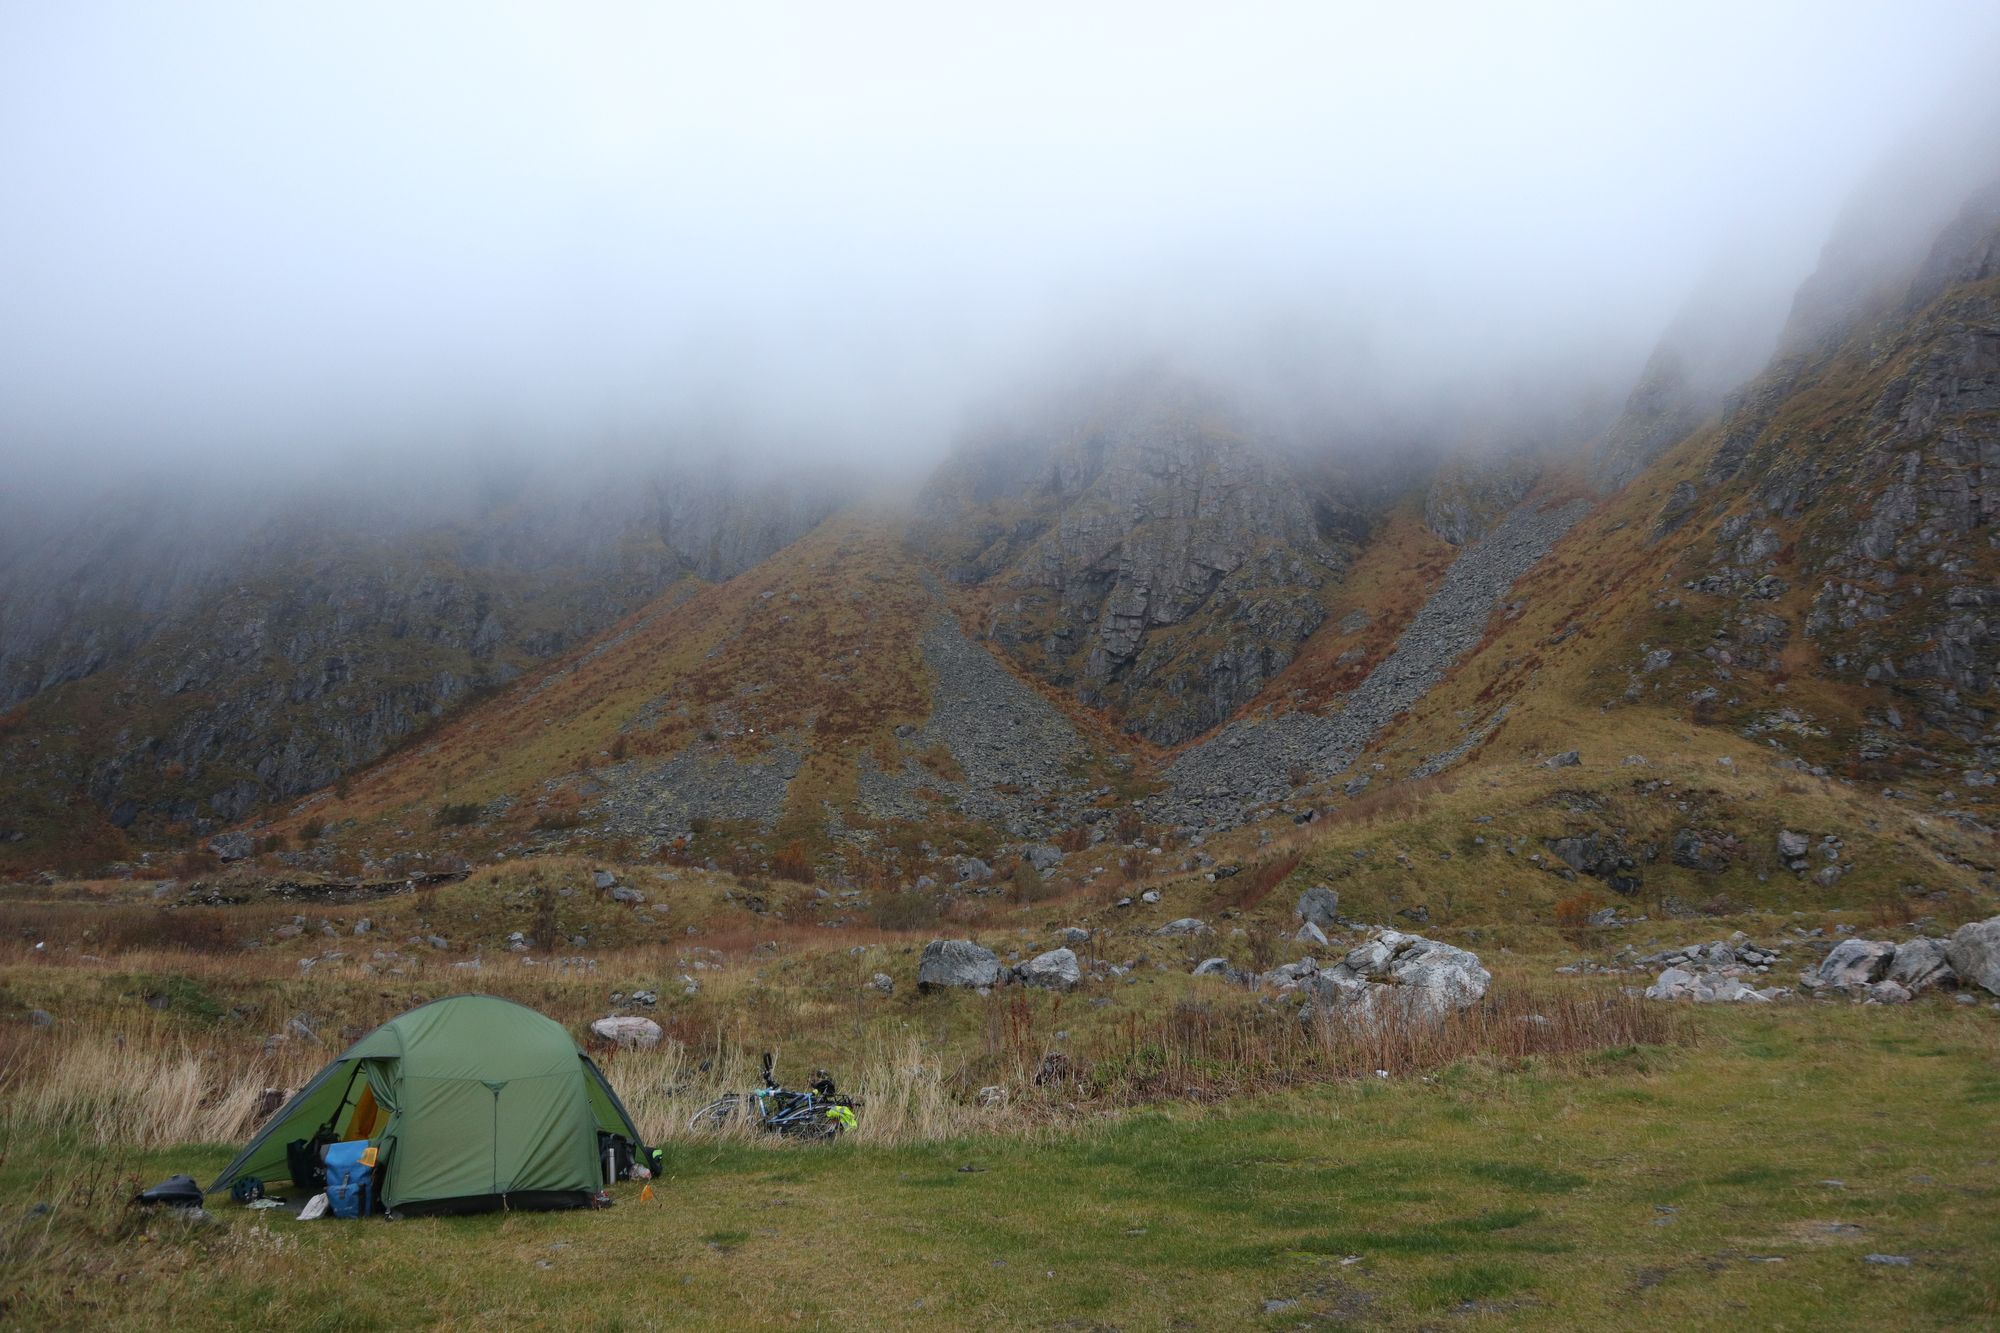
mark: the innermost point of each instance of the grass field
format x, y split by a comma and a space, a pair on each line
1738, 1182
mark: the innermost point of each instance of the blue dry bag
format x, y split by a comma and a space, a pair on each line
350, 1182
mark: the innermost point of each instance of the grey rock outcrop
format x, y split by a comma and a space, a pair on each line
1319, 906
1852, 964
1407, 975
956, 963
1920, 965
1708, 987
1148, 507
1055, 970
233, 846
1974, 953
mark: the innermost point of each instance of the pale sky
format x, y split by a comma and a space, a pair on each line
252, 229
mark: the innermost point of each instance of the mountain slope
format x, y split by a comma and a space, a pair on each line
1144, 549
826, 698
171, 682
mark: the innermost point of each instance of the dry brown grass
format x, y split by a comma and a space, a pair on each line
1207, 1051
148, 1084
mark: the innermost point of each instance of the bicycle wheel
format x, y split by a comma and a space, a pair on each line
718, 1113
810, 1123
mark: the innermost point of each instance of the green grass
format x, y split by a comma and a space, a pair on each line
1674, 1191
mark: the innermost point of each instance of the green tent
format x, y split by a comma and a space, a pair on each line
472, 1102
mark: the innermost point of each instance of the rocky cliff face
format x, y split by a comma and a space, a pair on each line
1851, 501
1147, 551
1470, 495
167, 671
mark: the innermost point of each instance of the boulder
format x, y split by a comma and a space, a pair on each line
1319, 906
1042, 856
1886, 992
628, 1030
1416, 976
1698, 851
1974, 953
1055, 970
621, 894
1567, 759
1074, 935
41, 1018
1920, 965
1436, 976
1186, 925
604, 879
1792, 845
1288, 976
1679, 983
883, 982
1599, 854
1311, 934
1212, 967
232, 846
1676, 983
956, 963
1852, 964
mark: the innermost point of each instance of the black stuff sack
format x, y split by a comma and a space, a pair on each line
174, 1192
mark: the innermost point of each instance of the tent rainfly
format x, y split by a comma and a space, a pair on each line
474, 1103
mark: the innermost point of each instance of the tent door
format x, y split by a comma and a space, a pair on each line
497, 1088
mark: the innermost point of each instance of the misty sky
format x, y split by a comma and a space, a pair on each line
264, 228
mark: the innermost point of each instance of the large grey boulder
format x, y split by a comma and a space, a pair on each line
1974, 953
1186, 925
1409, 975
1792, 845
232, 846
1041, 855
1852, 964
1319, 906
629, 1031
1920, 965
956, 963
1056, 970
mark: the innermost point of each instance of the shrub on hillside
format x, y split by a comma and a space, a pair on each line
793, 862
906, 909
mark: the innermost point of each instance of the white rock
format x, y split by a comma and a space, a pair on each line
629, 1031
1056, 970
1974, 953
